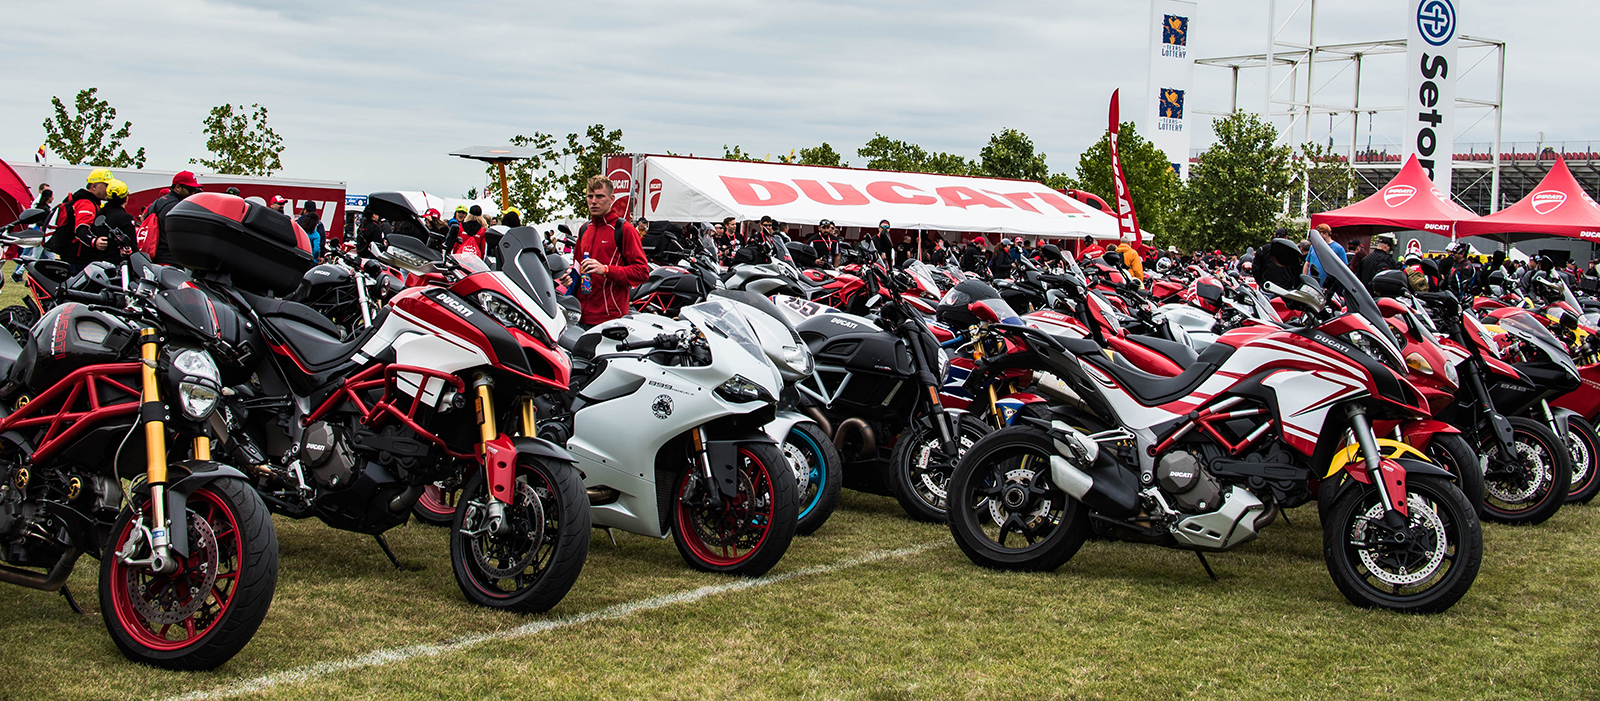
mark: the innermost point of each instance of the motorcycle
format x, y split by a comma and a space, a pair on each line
1205, 460
702, 468
188, 553
350, 431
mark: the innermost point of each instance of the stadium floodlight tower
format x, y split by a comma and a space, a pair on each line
1292, 93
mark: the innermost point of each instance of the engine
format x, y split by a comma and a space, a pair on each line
1186, 483
325, 451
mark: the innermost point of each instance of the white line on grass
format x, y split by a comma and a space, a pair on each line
382, 658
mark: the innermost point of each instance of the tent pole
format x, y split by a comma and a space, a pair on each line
505, 197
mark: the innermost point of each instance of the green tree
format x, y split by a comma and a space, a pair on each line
1152, 185
241, 142
1236, 187
587, 154
737, 154
86, 136
883, 153
1322, 180
823, 155
1010, 154
535, 185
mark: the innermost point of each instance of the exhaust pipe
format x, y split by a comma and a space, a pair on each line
43, 582
869, 442
406, 499
817, 416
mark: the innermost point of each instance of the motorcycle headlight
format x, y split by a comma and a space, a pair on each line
1450, 373
574, 316
199, 383
1365, 343
741, 389
798, 358
509, 314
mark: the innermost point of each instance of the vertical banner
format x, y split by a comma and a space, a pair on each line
1127, 221
1171, 74
619, 168
1431, 73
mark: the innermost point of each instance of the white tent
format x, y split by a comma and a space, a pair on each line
680, 189
422, 202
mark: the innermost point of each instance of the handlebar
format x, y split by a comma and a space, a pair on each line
666, 341
104, 299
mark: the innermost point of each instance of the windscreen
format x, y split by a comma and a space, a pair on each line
722, 317
1355, 294
1531, 330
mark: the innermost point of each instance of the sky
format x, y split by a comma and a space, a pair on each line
377, 93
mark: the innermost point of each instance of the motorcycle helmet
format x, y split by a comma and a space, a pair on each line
955, 308
1389, 283
1208, 294
1163, 265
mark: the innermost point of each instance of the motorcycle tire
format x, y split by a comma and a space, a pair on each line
1584, 445
530, 567
436, 506
1452, 452
919, 469
819, 474
151, 622
745, 534
1001, 493
1427, 572
1536, 488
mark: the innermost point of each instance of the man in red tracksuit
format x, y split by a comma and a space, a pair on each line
615, 260
78, 217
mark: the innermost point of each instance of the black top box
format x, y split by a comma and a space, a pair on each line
262, 250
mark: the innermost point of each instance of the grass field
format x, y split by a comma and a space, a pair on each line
874, 606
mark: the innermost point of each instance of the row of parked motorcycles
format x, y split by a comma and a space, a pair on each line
153, 417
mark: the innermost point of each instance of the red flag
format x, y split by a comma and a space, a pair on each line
1127, 221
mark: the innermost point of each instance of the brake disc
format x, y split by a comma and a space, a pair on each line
515, 551
170, 599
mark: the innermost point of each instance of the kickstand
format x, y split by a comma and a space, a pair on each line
1205, 564
67, 594
609, 534
1285, 516
386, 551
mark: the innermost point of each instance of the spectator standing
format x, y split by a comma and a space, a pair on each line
939, 255
74, 236
115, 224
276, 203
610, 253
885, 243
1380, 259
826, 244
312, 224
972, 256
1000, 260
155, 217
1089, 249
1312, 262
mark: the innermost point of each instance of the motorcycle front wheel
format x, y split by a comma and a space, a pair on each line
201, 614
1424, 567
527, 561
747, 533
1004, 511
1530, 488
919, 469
819, 473
1584, 445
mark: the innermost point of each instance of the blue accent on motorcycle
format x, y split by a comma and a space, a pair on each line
819, 475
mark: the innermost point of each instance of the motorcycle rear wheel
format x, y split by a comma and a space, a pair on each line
1535, 489
811, 452
230, 576
437, 505
1001, 492
1426, 572
530, 567
745, 534
1583, 444
919, 471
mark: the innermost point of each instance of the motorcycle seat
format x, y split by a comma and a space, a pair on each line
317, 350
1154, 390
268, 306
9, 352
1177, 352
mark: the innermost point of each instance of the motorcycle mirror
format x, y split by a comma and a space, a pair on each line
615, 333
983, 312
557, 263
1055, 298
29, 217
873, 300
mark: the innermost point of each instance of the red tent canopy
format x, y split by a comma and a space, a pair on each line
14, 194
1409, 201
1557, 207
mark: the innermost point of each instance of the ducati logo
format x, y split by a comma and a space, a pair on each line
1398, 195
662, 407
1547, 201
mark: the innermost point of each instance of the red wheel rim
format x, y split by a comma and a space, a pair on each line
219, 597
739, 519
433, 501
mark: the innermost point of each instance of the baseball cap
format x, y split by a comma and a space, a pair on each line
883, 223
1006, 241
311, 205
461, 209
767, 220
1386, 238
825, 222
431, 213
1457, 247
186, 179
277, 199
232, 191
99, 175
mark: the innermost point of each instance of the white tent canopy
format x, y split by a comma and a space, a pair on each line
672, 188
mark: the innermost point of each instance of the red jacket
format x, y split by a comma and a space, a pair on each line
608, 296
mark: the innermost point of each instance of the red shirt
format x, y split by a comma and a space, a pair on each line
608, 296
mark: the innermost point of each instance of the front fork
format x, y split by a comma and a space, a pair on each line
153, 412
941, 420
1388, 475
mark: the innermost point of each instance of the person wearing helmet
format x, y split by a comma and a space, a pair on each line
74, 237
1462, 276
151, 239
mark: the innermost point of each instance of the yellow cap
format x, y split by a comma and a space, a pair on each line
511, 210
100, 175
117, 188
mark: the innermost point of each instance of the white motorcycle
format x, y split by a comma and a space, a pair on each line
666, 419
